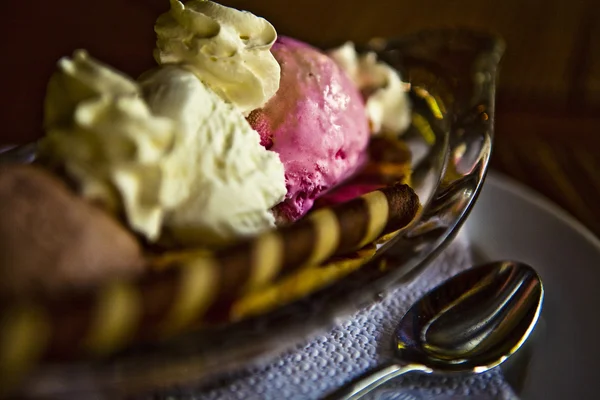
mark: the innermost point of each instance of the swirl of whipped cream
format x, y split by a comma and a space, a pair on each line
387, 104
167, 153
229, 50
102, 132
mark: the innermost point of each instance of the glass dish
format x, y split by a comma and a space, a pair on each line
452, 76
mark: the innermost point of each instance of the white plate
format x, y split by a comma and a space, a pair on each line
511, 221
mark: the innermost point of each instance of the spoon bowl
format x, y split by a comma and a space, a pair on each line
470, 323
474, 320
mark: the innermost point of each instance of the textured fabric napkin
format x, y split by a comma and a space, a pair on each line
326, 363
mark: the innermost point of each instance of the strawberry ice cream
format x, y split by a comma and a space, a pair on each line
316, 122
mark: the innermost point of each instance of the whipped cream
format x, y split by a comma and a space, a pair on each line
228, 49
103, 133
180, 161
387, 103
80, 78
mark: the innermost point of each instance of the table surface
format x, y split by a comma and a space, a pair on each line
548, 108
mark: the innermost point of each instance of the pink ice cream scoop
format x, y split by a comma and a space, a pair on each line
316, 122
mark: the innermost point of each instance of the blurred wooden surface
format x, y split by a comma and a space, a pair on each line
548, 109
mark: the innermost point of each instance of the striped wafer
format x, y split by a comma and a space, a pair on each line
299, 284
193, 287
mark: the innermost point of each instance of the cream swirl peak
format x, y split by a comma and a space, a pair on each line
229, 50
81, 77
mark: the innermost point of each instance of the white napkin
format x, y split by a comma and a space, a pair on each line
326, 363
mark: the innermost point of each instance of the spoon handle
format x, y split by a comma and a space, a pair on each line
372, 379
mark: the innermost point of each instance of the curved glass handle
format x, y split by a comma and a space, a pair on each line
373, 379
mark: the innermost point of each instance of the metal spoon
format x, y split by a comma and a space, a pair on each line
470, 323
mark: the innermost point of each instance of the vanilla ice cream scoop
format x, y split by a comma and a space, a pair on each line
228, 49
167, 153
236, 181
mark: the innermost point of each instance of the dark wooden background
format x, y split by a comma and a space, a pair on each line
548, 108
